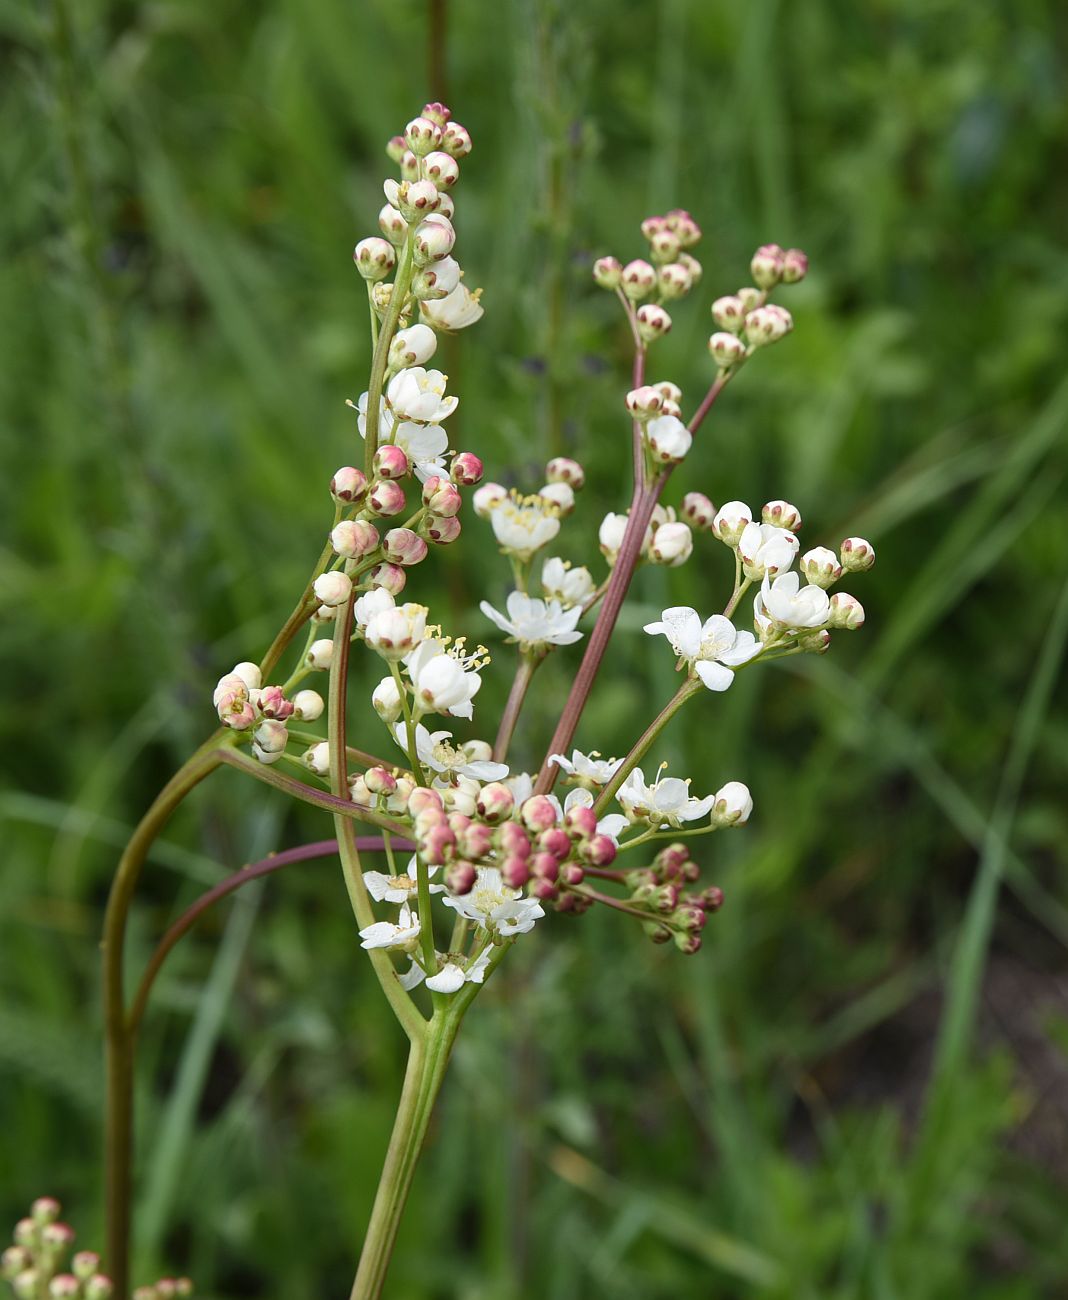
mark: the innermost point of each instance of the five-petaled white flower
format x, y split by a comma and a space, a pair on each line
534, 622
766, 549
436, 753
666, 800
418, 394
397, 889
443, 682
787, 603
388, 934
714, 647
492, 905
523, 525
587, 767
451, 976
569, 584
456, 311
425, 445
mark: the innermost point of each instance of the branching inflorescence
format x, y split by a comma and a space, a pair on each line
494, 848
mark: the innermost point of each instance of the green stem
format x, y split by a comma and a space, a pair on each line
688, 688
302, 611
401, 283
409, 723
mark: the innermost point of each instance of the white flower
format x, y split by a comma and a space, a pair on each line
672, 544
442, 681
373, 603
395, 632
523, 525
668, 438
536, 622
419, 395
666, 800
733, 804
451, 977
398, 889
386, 700
610, 535
424, 443
387, 934
434, 752
787, 603
492, 905
413, 346
766, 549
714, 647
587, 767
566, 583
561, 495
459, 309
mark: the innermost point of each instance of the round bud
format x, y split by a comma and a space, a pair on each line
515, 872
416, 199
668, 439
374, 258
794, 266
846, 612
820, 566
391, 461
100, 1287
317, 758
320, 653
46, 1209
687, 942
664, 246
782, 515
307, 706
653, 226
433, 239
386, 701
380, 780
537, 813
674, 280
672, 545
599, 851
413, 346
561, 495
14, 1260
460, 877
423, 798
64, 1286
495, 802
638, 279
422, 135
437, 280
572, 874
348, 485
402, 546
645, 402
653, 322
443, 169
767, 265
544, 890
25, 1234
608, 272
386, 498
731, 521
733, 805
354, 538
392, 225
555, 841
513, 840
562, 469
456, 140
466, 470
857, 555
442, 529
545, 866
59, 1237
390, 577
683, 226
333, 588
26, 1285
726, 349
698, 511
767, 325
691, 264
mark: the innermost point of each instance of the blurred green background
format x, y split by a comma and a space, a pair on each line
859, 1088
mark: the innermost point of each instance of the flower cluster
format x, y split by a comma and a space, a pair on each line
34, 1263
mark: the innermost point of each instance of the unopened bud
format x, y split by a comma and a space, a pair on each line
698, 511
320, 653
374, 258
726, 349
687, 942
46, 1209
794, 266
599, 851
683, 226
781, 514
333, 588
392, 225
513, 839
386, 497
664, 246
729, 313
653, 322
14, 1260
561, 495
442, 531
846, 612
515, 872
442, 168
466, 470
857, 555
434, 238
460, 877
668, 439
354, 538
767, 265
546, 867
487, 498
423, 798
413, 346
495, 802
317, 758
580, 823
456, 140
645, 402
731, 521
691, 264
380, 780
767, 325
638, 279
820, 566
26, 1285
608, 272
537, 813
272, 703
733, 805
674, 280
64, 1286
555, 841
57, 1238
421, 135
307, 706
562, 469
100, 1287
672, 544
348, 484
402, 546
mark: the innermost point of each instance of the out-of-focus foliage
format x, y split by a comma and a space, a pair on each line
859, 1088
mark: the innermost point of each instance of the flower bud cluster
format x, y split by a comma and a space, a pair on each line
677, 913
745, 320
261, 712
670, 273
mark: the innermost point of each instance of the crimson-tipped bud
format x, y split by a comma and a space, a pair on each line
657, 931
653, 322
767, 325
14, 1260
687, 941
433, 238
537, 813
456, 140
653, 226
101, 1287
545, 890
460, 877
402, 546
437, 843
487, 498
572, 874
392, 225
767, 265
794, 266
545, 866
374, 258
555, 841
442, 531
731, 521
422, 135
580, 823
476, 841
354, 538
391, 462
698, 511
600, 851
515, 872
645, 402
380, 780
272, 703
857, 555
820, 566
729, 313
683, 226
423, 798
664, 246
46, 1209
390, 577
782, 515
513, 840
441, 497
466, 470
671, 860
725, 349
675, 280
608, 272
85, 1264
638, 279
495, 802
711, 899
64, 1286
562, 469
437, 112
442, 168
57, 1238
846, 611
386, 497
348, 485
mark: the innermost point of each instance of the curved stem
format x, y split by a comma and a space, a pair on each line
524, 674
638, 751
302, 611
118, 1128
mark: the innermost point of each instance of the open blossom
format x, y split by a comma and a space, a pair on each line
587, 767
451, 976
372, 603
523, 525
434, 751
787, 603
398, 889
569, 584
456, 311
666, 800
395, 632
444, 682
534, 622
495, 907
418, 394
388, 934
714, 647
765, 549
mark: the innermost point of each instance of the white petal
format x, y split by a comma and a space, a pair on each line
447, 980
714, 676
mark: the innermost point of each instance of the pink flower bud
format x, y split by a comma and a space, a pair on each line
402, 546
460, 877
495, 802
685, 229
466, 470
433, 238
638, 279
692, 265
562, 469
515, 872
543, 889
711, 899
25, 1234
392, 225
690, 917
272, 703
794, 266
687, 943
653, 226
57, 1237
675, 280
374, 258
600, 851
645, 402
476, 841
767, 265
235, 710
857, 555
441, 497
555, 841
442, 169
537, 813
443, 531
846, 611
782, 515
663, 246
607, 272
456, 140
348, 485
422, 799
572, 874
513, 840
390, 577
421, 135
768, 324
729, 313
436, 844
354, 538
580, 823
653, 322
387, 497
458, 821
725, 349
85, 1264
698, 511
672, 859
332, 588
391, 462
46, 1209
63, 1286
545, 866
380, 781
100, 1287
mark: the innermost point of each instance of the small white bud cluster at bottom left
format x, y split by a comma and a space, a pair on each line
261, 713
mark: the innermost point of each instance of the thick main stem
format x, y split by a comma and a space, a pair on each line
118, 1129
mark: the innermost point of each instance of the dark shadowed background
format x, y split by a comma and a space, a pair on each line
859, 1088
